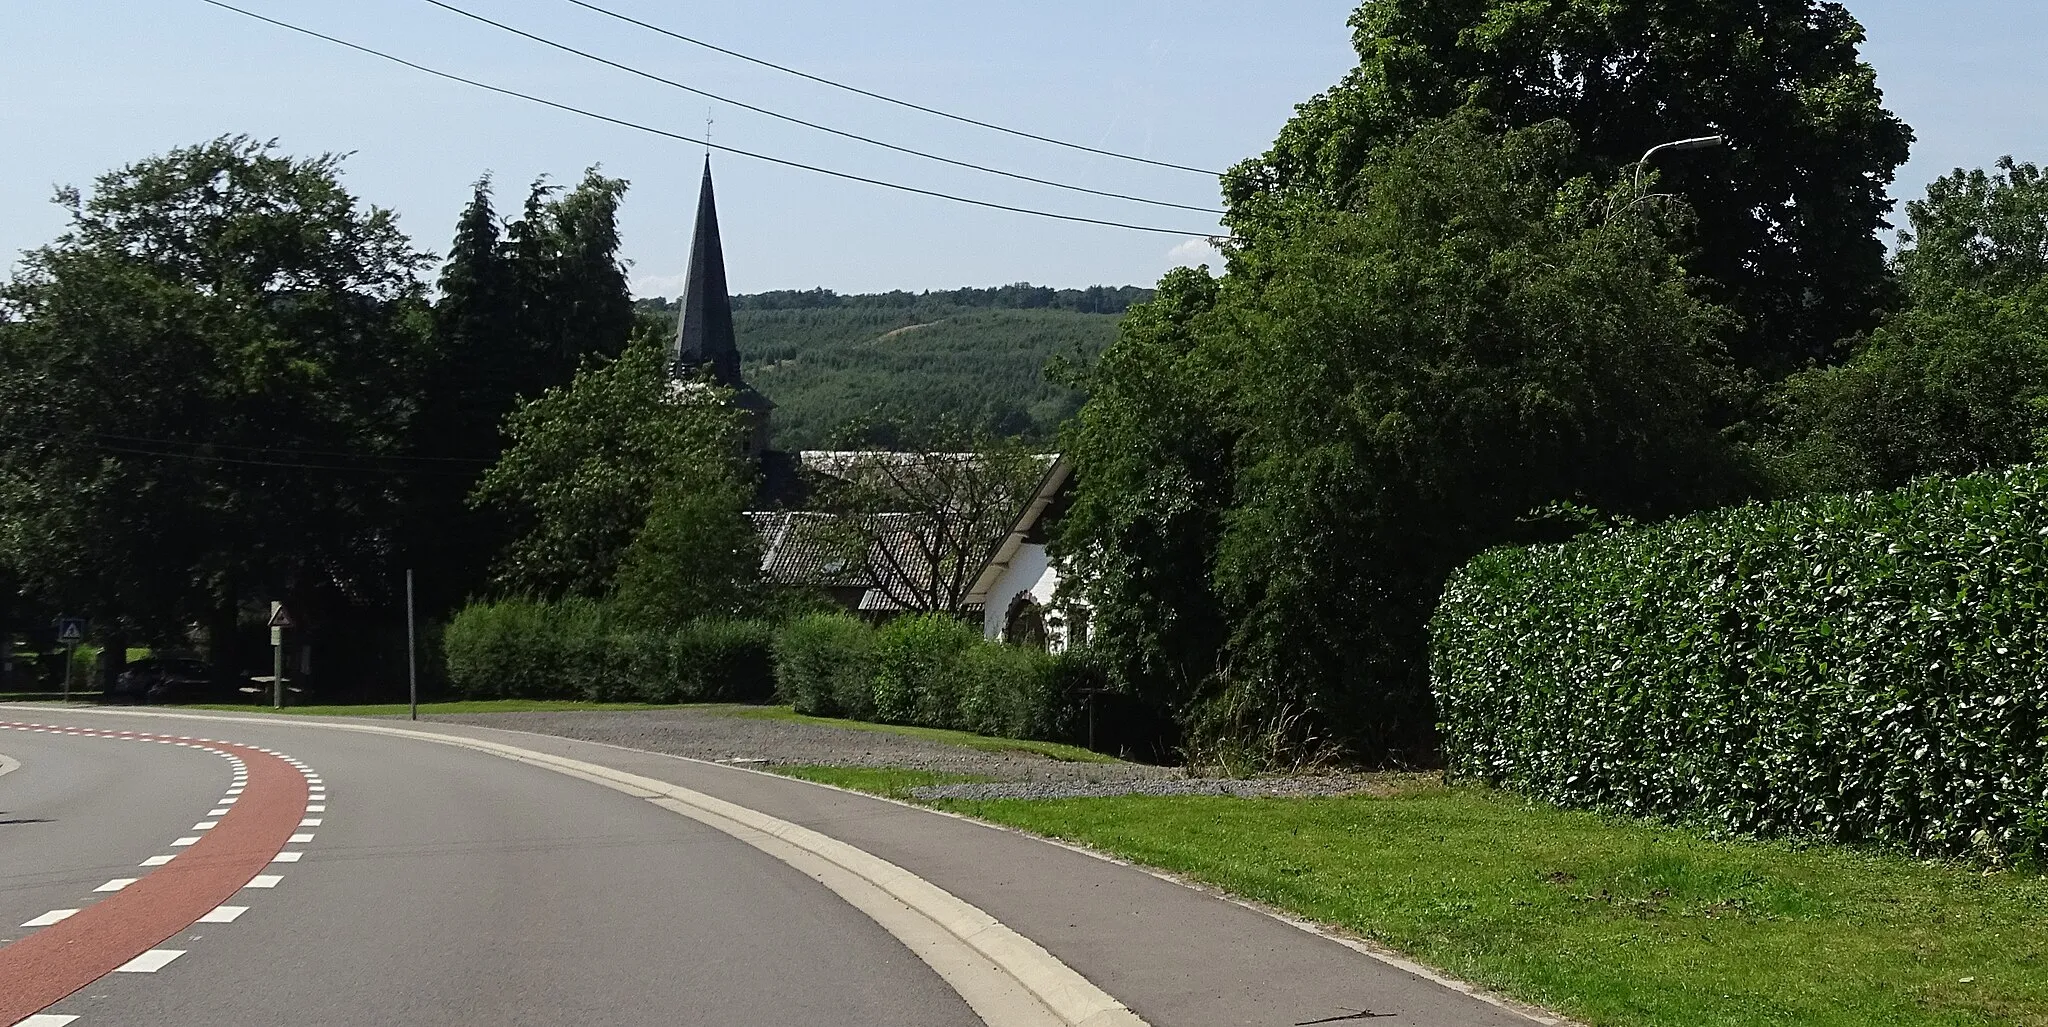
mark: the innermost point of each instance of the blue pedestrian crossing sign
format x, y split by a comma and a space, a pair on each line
70, 630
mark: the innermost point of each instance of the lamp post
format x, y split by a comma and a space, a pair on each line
1677, 146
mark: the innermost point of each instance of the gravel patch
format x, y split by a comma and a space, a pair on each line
756, 742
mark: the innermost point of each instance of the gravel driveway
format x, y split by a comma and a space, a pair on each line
752, 741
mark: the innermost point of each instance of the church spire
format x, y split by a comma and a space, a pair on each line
704, 335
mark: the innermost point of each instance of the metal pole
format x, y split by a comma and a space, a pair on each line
277, 669
412, 647
70, 657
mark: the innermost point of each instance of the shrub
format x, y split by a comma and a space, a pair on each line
519, 649
725, 661
825, 666
1000, 687
1860, 668
917, 677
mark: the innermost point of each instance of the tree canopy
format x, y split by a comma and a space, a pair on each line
1788, 214
1300, 457
205, 390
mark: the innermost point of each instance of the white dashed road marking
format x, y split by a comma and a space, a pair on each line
223, 915
264, 881
287, 857
149, 962
117, 884
157, 861
46, 1020
54, 916
299, 839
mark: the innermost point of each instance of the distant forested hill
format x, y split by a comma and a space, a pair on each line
826, 359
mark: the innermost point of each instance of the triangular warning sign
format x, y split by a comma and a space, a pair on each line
281, 617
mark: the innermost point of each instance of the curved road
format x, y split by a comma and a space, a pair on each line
174, 869
441, 886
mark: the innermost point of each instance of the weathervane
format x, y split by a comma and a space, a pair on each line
708, 122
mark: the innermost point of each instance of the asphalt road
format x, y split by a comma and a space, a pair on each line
506, 878
440, 886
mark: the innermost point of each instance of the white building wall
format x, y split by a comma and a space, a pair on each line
1030, 571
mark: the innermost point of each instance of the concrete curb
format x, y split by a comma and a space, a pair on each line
1035, 988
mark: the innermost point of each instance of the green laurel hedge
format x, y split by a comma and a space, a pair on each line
1866, 668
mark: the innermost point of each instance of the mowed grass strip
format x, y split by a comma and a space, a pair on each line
1613, 922
885, 781
426, 709
967, 739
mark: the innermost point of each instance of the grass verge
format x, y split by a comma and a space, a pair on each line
888, 782
1050, 750
401, 709
1614, 922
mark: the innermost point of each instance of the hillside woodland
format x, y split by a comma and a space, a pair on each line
976, 355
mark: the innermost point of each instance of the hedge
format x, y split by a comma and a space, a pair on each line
929, 671
1869, 668
573, 650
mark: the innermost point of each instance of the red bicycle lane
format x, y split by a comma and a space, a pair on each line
42, 968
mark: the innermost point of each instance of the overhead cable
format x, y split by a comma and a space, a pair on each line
794, 120
887, 99
721, 147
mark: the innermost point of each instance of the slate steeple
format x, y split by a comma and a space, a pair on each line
704, 334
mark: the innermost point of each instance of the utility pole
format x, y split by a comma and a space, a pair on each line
412, 647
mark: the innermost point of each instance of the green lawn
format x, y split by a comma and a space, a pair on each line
895, 784
401, 709
1613, 922
1050, 750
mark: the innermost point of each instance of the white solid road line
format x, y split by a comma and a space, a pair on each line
149, 962
55, 916
264, 881
223, 915
117, 884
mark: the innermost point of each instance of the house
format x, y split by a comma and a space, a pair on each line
882, 565
1018, 590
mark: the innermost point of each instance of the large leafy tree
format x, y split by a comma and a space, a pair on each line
521, 306
205, 390
588, 462
1301, 456
1957, 383
1788, 214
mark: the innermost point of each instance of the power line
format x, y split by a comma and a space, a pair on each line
289, 451
120, 450
792, 119
721, 147
888, 99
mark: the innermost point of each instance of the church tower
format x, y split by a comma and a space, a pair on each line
704, 332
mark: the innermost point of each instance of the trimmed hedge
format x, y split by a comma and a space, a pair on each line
930, 671
825, 666
1866, 668
571, 650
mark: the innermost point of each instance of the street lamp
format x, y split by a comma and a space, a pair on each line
1678, 146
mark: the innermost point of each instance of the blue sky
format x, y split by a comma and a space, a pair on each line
86, 85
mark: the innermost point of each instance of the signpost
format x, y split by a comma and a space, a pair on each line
70, 632
280, 619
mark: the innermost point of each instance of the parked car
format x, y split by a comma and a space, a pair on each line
164, 679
